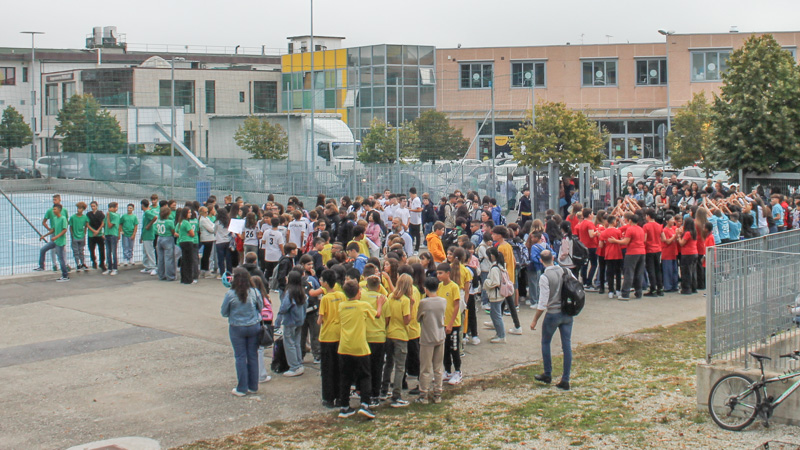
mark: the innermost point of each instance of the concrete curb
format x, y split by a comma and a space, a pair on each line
34, 276
123, 443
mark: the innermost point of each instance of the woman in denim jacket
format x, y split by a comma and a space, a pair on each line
242, 306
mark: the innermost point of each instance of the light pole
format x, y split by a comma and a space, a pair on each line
532, 76
314, 95
33, 89
666, 35
172, 127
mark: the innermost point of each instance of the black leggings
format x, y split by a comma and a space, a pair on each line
187, 262
472, 319
97, 241
613, 273
688, 273
452, 354
512, 308
208, 249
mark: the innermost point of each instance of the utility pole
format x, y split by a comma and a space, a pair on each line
313, 94
33, 91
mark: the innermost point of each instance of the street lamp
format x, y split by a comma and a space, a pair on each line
172, 126
33, 89
666, 35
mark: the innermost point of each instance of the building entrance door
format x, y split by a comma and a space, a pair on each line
635, 146
617, 150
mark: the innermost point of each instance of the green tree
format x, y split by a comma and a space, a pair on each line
691, 138
262, 139
380, 143
14, 132
85, 127
437, 139
757, 114
561, 135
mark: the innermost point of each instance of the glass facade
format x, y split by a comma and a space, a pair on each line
633, 139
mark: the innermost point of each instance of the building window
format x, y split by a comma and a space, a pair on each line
7, 76
600, 73
51, 99
651, 72
184, 94
265, 96
24, 74
476, 75
112, 87
523, 74
709, 65
241, 96
67, 91
211, 97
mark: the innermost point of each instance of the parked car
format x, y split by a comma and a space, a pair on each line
18, 168
698, 175
58, 166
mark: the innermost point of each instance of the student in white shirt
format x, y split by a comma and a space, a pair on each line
297, 229
272, 241
403, 213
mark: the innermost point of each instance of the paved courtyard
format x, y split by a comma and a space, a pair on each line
102, 357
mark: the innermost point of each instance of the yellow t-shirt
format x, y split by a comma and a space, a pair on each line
329, 309
450, 293
362, 246
413, 326
354, 315
326, 253
376, 328
394, 310
381, 289
508, 255
466, 278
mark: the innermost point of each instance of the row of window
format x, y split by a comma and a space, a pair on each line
265, 95
8, 76
706, 66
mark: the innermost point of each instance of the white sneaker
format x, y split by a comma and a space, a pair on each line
488, 325
294, 373
455, 378
106, 272
517, 331
475, 340
611, 294
153, 272
114, 272
534, 305
144, 271
264, 380
194, 281
497, 340
446, 376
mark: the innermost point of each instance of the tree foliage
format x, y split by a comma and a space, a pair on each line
757, 114
437, 139
262, 139
561, 135
691, 138
380, 143
14, 132
85, 127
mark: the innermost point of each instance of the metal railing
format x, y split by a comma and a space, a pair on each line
752, 286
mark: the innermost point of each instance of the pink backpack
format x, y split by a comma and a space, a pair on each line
506, 286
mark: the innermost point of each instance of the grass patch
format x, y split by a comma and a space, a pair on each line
622, 390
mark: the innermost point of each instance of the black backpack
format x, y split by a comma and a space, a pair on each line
572, 295
450, 239
579, 253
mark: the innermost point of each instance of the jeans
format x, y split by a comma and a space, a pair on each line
654, 271
59, 252
496, 314
310, 328
224, 261
670, 268
563, 323
78, 245
148, 255
111, 251
533, 285
291, 344
484, 295
166, 258
633, 268
427, 227
98, 242
512, 308
245, 350
262, 367
127, 248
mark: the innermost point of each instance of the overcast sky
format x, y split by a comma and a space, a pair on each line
443, 23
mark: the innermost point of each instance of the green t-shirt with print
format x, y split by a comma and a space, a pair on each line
128, 222
112, 218
59, 224
149, 215
164, 227
183, 231
77, 225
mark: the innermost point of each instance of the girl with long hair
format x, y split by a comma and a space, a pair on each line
242, 306
291, 316
687, 240
186, 242
426, 259
492, 288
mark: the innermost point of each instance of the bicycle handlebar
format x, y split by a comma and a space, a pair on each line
794, 355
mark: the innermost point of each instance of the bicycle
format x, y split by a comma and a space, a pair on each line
735, 400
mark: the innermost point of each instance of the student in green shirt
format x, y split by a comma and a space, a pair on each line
58, 228
129, 223
148, 236
48, 218
186, 241
165, 230
78, 224
112, 238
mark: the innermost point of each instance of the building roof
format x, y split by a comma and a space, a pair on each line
309, 36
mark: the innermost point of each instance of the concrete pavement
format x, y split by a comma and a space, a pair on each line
102, 357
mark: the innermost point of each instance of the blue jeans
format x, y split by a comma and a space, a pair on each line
291, 345
166, 258
533, 285
496, 314
245, 351
58, 250
111, 251
224, 261
484, 295
127, 248
670, 268
563, 323
427, 227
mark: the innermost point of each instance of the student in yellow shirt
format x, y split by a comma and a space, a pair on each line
397, 312
376, 330
370, 270
465, 281
326, 248
412, 361
449, 290
329, 338
499, 236
354, 351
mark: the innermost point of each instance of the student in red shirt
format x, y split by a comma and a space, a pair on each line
599, 224
701, 253
709, 243
687, 239
669, 255
613, 257
652, 245
586, 232
574, 219
633, 263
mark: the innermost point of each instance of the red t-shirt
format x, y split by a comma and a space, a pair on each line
601, 251
613, 251
701, 245
690, 248
583, 234
573, 220
636, 245
623, 229
669, 251
652, 242
709, 243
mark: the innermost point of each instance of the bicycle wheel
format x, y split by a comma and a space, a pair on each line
731, 405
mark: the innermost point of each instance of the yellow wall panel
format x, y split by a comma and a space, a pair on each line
341, 58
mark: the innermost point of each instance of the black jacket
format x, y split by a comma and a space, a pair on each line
256, 272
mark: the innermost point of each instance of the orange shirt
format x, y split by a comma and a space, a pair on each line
435, 247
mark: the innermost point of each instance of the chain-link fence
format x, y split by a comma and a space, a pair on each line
752, 287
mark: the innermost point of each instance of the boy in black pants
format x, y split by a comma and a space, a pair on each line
354, 350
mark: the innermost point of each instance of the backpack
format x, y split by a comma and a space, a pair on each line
572, 295
521, 254
450, 239
506, 286
579, 253
536, 251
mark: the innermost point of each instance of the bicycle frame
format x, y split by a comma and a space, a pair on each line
787, 392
